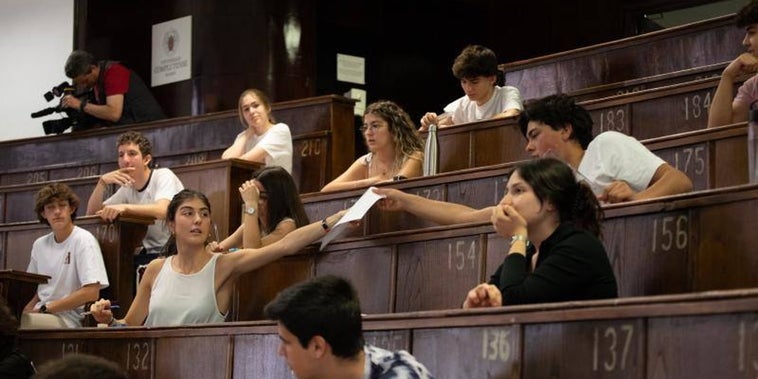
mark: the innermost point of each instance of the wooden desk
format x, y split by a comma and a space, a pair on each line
648, 82
322, 127
689, 336
659, 246
648, 54
18, 287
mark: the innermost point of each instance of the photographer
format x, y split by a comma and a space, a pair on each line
119, 96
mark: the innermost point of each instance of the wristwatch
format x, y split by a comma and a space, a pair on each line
519, 237
250, 210
43, 309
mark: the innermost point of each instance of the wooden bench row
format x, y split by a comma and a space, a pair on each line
218, 180
323, 132
712, 158
678, 244
658, 246
709, 335
653, 113
498, 141
649, 82
693, 45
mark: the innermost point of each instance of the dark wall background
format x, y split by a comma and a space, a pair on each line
409, 45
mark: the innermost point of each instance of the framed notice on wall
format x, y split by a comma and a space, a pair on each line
172, 51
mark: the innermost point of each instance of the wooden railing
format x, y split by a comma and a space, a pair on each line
708, 335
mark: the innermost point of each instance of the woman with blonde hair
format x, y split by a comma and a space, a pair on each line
263, 140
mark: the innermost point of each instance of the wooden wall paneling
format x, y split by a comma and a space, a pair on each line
648, 82
136, 356
480, 352
640, 56
193, 357
585, 349
370, 269
257, 288
725, 253
257, 356
717, 346
437, 274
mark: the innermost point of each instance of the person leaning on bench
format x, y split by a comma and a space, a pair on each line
72, 258
191, 285
617, 167
395, 149
552, 222
144, 192
263, 140
725, 110
476, 68
321, 332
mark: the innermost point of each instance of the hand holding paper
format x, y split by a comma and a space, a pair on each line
355, 213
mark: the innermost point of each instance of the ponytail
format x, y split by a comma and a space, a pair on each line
586, 212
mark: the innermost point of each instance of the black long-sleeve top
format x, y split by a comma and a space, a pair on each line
572, 265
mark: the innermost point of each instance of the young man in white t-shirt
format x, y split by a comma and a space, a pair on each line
71, 257
617, 167
144, 192
476, 68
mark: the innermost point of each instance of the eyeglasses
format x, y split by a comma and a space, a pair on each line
374, 127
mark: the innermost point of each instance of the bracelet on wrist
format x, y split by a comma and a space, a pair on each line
519, 237
325, 225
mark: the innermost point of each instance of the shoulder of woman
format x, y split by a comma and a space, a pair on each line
417, 155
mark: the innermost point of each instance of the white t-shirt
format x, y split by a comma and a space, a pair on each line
464, 110
163, 184
614, 156
71, 265
277, 142
180, 299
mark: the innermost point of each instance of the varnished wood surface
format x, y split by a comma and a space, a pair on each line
648, 54
646, 337
322, 129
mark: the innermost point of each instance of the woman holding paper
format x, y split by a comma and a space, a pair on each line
395, 149
191, 285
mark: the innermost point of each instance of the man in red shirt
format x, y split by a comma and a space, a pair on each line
119, 96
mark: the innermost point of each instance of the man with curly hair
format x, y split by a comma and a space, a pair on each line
476, 68
70, 256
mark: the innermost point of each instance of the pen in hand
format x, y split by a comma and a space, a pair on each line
114, 306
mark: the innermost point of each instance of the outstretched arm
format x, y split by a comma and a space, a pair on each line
436, 211
245, 260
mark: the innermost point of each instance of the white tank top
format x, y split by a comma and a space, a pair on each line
179, 299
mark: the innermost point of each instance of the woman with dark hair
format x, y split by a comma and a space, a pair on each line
263, 140
395, 149
553, 224
272, 210
192, 285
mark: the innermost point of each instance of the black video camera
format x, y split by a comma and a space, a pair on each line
75, 120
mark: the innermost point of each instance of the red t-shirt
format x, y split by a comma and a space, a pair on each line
116, 80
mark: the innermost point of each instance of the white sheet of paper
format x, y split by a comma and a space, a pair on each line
356, 212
